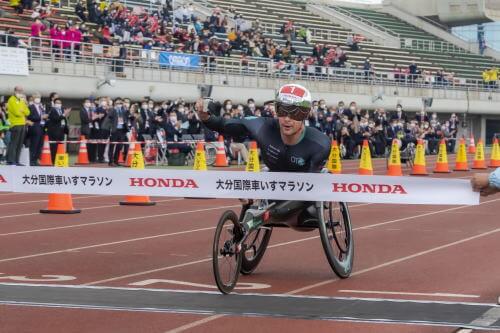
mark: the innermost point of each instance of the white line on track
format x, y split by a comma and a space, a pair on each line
403, 293
119, 220
45, 200
83, 209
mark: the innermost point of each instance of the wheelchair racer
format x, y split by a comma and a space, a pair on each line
286, 144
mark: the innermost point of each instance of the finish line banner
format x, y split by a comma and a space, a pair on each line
245, 185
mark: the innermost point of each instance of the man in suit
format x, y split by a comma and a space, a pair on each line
87, 128
100, 114
57, 125
117, 122
36, 128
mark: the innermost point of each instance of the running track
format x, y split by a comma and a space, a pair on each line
444, 254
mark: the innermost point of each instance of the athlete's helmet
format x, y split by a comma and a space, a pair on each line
293, 100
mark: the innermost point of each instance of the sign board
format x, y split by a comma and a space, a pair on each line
13, 61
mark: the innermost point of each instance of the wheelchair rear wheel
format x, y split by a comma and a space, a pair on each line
336, 234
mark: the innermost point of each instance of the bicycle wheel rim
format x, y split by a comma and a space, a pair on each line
226, 258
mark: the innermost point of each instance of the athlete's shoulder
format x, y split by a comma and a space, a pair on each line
317, 136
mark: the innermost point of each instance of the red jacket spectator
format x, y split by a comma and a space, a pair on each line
55, 36
74, 35
36, 28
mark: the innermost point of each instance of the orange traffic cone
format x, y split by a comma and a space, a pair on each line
131, 149
334, 165
479, 162
419, 164
461, 160
472, 145
442, 159
394, 165
253, 163
220, 156
83, 155
121, 160
365, 164
60, 203
137, 163
495, 155
45, 158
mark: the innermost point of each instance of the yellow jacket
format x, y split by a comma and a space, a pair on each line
493, 74
17, 110
486, 76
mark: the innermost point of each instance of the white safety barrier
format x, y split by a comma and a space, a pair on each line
229, 184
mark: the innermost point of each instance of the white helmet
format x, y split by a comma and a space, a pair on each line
293, 100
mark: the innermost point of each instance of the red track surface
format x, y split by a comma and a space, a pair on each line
401, 249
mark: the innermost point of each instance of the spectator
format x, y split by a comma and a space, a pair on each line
36, 128
117, 124
352, 43
87, 128
305, 34
422, 117
80, 11
17, 111
453, 130
57, 125
368, 69
399, 115
4, 133
36, 31
101, 133
414, 71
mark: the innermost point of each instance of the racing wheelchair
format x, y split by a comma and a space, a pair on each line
236, 251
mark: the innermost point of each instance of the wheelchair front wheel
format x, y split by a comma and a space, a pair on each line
335, 230
226, 258
256, 246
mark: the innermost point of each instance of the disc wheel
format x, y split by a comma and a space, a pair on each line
226, 258
255, 248
336, 236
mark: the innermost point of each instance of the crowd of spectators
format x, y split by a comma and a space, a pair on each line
26, 120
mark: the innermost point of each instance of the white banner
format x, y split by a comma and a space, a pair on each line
13, 61
229, 184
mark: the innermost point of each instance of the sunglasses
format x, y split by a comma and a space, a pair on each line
297, 113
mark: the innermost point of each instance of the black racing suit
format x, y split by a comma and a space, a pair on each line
308, 155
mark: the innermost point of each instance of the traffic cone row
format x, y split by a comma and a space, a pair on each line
334, 165
394, 165
60, 203
220, 156
253, 163
472, 145
83, 155
45, 157
137, 163
495, 155
419, 164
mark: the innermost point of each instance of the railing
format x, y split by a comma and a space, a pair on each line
430, 45
316, 33
365, 21
97, 60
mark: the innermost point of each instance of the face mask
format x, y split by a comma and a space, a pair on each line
181, 110
151, 106
173, 119
352, 108
118, 106
37, 100
57, 106
434, 116
87, 105
251, 106
18, 95
127, 105
103, 104
399, 109
228, 106
322, 106
144, 106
